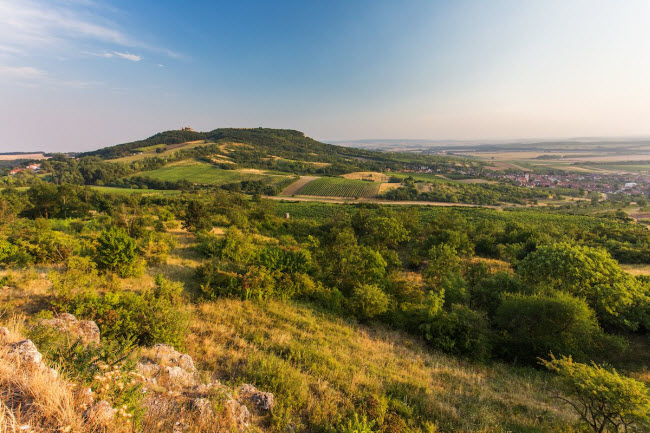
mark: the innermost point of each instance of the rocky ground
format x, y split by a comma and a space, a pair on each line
178, 397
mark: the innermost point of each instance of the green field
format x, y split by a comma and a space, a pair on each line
423, 177
640, 167
339, 187
210, 175
125, 191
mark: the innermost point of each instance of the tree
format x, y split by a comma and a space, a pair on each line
589, 273
368, 301
43, 196
460, 331
443, 263
12, 203
69, 202
604, 400
116, 251
379, 231
197, 216
345, 263
534, 325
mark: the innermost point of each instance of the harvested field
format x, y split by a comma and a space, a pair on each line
385, 187
368, 176
22, 156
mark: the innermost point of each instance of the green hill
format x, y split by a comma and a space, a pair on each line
167, 137
283, 149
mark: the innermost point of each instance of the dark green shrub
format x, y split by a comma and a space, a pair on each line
285, 259
209, 244
235, 246
155, 247
345, 264
36, 242
296, 285
118, 252
487, 294
11, 255
589, 273
604, 400
149, 317
197, 216
443, 262
258, 283
531, 326
460, 331
368, 301
229, 280
219, 280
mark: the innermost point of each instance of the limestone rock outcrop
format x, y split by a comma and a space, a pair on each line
87, 330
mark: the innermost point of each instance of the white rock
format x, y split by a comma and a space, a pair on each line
27, 352
101, 413
87, 330
262, 400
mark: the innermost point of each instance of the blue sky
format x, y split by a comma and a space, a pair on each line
80, 74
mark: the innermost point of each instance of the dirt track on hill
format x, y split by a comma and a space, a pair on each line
294, 187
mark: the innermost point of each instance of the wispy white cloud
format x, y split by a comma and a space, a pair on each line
30, 24
4, 49
109, 55
33, 77
22, 73
43, 26
128, 56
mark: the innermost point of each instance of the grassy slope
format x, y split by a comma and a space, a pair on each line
150, 151
210, 174
322, 369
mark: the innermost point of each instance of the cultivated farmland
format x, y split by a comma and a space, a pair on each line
339, 187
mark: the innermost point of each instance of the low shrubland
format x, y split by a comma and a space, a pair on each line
369, 318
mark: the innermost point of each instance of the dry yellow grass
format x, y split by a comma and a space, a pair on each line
385, 187
493, 265
33, 399
23, 156
322, 369
151, 153
228, 146
424, 187
367, 175
637, 269
315, 164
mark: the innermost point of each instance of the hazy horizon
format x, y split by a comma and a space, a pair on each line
77, 75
